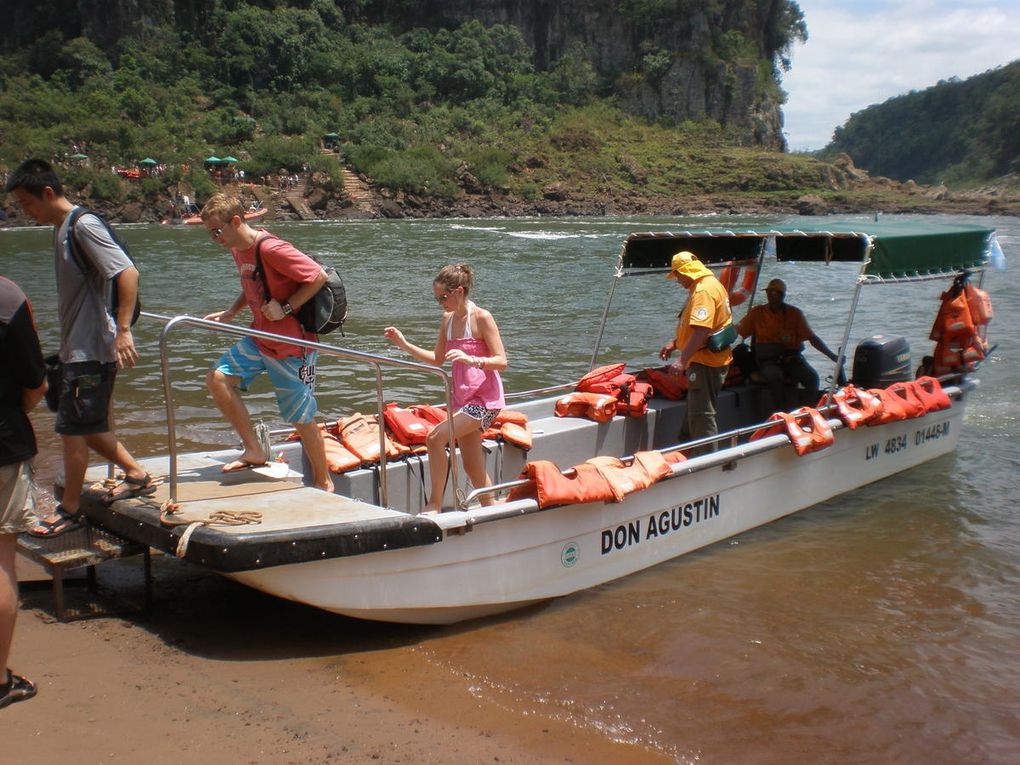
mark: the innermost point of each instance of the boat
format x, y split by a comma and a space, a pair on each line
364, 551
195, 220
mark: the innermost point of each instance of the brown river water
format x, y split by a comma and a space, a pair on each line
881, 626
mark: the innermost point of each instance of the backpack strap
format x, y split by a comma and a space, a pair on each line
259, 269
72, 240
77, 254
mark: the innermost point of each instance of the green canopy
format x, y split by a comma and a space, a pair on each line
900, 250
148, 161
213, 160
79, 156
331, 136
229, 159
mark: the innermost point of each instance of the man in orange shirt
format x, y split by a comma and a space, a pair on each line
707, 311
779, 331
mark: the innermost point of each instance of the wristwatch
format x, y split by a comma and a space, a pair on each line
287, 310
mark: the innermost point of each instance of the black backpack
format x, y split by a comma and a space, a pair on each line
85, 265
326, 311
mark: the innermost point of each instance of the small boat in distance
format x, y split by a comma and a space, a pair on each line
365, 551
194, 220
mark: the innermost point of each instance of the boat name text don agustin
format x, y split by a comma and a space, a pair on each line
899, 443
660, 524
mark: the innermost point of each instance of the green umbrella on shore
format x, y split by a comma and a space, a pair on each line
230, 160
213, 161
148, 161
79, 156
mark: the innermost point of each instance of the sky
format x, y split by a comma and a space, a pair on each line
863, 52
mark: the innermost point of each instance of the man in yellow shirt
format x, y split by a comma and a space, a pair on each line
779, 331
707, 312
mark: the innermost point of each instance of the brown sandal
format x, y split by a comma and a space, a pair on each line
64, 523
136, 487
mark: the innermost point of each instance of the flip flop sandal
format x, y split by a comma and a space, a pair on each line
18, 689
137, 487
242, 465
65, 522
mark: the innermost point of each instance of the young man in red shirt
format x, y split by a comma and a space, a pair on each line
293, 278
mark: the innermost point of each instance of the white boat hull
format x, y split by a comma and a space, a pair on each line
515, 561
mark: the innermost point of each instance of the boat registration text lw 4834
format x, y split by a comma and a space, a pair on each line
899, 443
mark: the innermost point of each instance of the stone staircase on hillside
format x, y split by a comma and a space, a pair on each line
295, 197
355, 189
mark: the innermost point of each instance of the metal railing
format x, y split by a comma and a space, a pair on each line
376, 361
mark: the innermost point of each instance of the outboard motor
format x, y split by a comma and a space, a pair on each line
881, 360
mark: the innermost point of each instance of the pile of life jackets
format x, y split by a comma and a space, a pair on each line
600, 479
961, 328
352, 442
608, 391
809, 431
604, 393
900, 401
410, 426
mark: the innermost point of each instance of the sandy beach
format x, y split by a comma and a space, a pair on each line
221, 673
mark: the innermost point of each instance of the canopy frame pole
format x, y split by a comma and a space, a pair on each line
617, 275
841, 353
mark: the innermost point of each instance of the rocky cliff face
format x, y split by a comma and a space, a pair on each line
101, 21
680, 60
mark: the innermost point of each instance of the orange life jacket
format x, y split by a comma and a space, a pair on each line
893, 407
595, 406
912, 404
360, 434
929, 390
854, 406
600, 479
599, 377
960, 329
339, 458
550, 487
512, 427
806, 427
406, 426
673, 387
633, 401
980, 305
631, 395
954, 318
645, 469
729, 278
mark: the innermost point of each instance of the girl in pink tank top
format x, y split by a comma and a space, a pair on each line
469, 340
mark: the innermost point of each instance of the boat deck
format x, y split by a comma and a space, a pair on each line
265, 517
253, 518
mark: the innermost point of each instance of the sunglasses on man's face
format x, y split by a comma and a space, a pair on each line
216, 233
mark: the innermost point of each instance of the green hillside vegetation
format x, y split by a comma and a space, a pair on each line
956, 132
414, 110
441, 113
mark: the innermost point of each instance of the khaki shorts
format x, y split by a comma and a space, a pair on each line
17, 498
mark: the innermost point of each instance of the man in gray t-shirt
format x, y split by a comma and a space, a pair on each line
93, 341
88, 331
